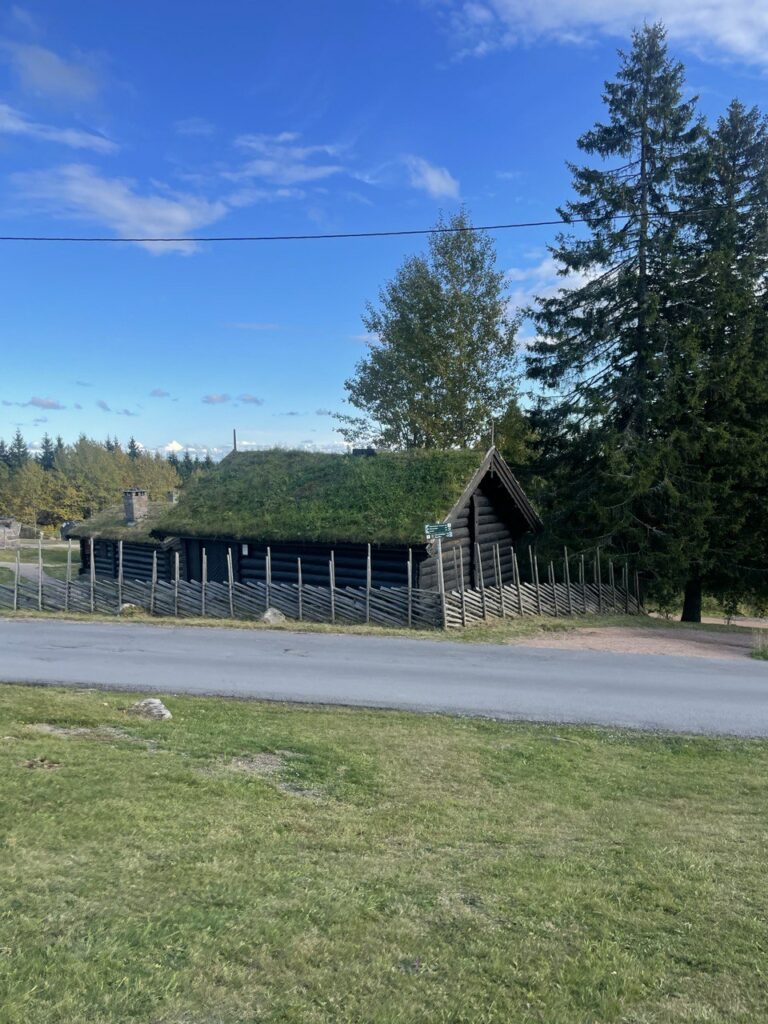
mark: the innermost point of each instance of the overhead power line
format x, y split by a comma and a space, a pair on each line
439, 230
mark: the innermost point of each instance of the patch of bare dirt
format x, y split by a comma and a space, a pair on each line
40, 762
106, 733
655, 640
269, 766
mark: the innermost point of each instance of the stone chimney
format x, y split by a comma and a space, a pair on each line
172, 496
136, 505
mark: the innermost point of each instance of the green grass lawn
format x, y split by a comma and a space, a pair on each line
250, 862
54, 561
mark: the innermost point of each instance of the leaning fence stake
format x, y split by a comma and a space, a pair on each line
301, 589
16, 582
599, 575
68, 584
441, 583
516, 581
332, 580
583, 583
553, 584
612, 583
93, 577
39, 574
268, 577
625, 585
176, 584
500, 583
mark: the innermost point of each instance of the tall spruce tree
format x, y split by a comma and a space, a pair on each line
18, 453
608, 345
47, 454
442, 363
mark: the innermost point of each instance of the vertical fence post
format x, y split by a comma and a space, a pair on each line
625, 586
93, 576
599, 576
332, 581
612, 583
268, 578
553, 583
441, 583
203, 582
16, 581
583, 584
39, 574
480, 579
176, 584
231, 583
153, 590
410, 586
68, 583
500, 581
517, 583
637, 590
119, 577
461, 588
567, 578
368, 586
301, 589
535, 574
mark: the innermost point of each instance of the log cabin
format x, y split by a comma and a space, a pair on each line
306, 505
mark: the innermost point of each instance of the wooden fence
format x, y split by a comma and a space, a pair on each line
384, 606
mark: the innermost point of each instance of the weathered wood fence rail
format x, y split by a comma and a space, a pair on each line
384, 606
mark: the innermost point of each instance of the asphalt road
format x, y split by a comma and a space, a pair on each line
514, 682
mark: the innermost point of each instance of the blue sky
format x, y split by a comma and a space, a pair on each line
261, 118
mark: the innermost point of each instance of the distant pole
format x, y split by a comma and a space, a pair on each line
119, 577
39, 574
441, 583
93, 576
234, 440
368, 586
301, 589
203, 583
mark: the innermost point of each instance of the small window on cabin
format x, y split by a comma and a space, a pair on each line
243, 549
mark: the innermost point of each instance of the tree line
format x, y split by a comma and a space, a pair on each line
62, 482
638, 416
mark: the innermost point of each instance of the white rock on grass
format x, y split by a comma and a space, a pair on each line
150, 708
273, 617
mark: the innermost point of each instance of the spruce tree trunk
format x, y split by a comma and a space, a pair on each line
692, 601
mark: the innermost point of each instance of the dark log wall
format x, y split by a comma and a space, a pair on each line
488, 519
389, 565
137, 560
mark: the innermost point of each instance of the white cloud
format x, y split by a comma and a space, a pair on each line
541, 280
216, 399
13, 122
282, 160
737, 28
437, 182
43, 73
79, 191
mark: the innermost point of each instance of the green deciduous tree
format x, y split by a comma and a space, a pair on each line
441, 363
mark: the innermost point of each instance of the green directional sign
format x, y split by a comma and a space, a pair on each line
436, 531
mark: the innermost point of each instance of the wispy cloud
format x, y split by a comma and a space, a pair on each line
159, 393
249, 399
24, 18
738, 29
80, 191
13, 122
83, 384
42, 72
126, 412
216, 399
194, 126
283, 160
37, 403
437, 182
104, 406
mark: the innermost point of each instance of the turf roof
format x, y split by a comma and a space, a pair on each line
283, 495
111, 525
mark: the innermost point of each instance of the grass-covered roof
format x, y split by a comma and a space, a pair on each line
111, 525
283, 495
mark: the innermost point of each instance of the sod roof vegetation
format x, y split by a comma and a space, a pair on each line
111, 525
283, 495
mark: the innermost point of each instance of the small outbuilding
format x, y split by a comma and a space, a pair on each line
281, 506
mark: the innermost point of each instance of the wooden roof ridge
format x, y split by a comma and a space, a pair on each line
495, 462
